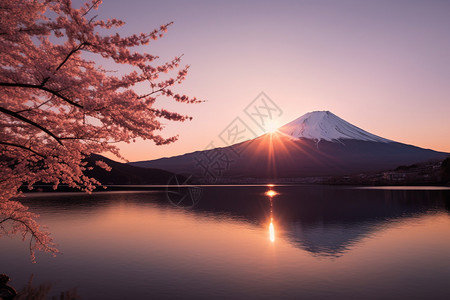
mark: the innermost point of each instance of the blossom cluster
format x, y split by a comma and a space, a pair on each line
57, 107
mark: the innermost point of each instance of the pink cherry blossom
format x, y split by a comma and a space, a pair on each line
57, 106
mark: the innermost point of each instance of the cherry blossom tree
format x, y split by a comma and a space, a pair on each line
59, 105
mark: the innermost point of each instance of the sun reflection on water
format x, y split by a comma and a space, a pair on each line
271, 232
271, 193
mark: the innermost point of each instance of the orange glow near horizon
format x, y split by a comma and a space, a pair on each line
278, 143
271, 157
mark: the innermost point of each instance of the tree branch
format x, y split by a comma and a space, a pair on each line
29, 229
36, 107
69, 55
90, 8
23, 147
22, 118
40, 87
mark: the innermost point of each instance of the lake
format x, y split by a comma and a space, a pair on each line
308, 242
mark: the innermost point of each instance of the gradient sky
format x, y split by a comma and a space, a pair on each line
381, 65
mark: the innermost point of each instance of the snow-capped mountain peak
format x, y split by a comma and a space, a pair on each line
324, 125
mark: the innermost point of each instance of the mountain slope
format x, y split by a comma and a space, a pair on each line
316, 144
122, 173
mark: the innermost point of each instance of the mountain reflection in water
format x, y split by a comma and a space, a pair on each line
325, 221
308, 242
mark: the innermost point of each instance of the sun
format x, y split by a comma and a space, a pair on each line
272, 126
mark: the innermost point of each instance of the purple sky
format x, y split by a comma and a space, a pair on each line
381, 65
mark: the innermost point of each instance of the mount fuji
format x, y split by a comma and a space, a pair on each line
324, 125
318, 143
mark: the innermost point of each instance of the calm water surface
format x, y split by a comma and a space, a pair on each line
237, 242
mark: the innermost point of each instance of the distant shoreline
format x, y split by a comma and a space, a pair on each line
47, 189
